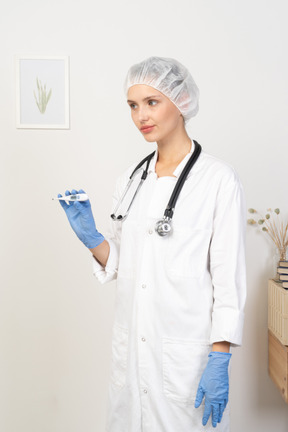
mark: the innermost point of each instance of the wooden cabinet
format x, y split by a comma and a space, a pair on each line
278, 311
278, 364
278, 336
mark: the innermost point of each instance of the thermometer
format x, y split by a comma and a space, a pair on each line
75, 197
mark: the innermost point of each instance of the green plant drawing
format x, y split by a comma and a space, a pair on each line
43, 98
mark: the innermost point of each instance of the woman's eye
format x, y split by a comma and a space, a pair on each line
152, 102
133, 106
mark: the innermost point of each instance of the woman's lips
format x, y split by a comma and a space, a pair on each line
146, 129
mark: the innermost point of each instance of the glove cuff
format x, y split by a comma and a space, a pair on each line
94, 241
218, 354
219, 357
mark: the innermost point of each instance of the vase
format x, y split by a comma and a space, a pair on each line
282, 253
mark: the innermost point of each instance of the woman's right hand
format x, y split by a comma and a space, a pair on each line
80, 216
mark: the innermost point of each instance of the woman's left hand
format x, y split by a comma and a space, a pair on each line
214, 385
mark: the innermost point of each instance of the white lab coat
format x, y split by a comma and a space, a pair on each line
176, 295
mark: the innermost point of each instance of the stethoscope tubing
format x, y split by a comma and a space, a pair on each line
180, 182
147, 159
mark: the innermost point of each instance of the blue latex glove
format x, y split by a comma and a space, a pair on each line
81, 219
214, 385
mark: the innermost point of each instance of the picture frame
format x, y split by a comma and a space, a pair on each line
42, 92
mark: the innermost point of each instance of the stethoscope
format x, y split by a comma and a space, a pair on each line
163, 226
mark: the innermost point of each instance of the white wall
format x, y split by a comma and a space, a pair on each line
55, 319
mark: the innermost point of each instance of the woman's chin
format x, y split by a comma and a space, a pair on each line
150, 137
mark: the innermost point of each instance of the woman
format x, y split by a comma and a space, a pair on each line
180, 297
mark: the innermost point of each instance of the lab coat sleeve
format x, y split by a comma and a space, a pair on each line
227, 263
113, 237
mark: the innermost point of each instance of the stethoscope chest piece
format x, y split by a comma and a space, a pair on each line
163, 227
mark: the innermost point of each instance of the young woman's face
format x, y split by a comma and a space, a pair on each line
153, 113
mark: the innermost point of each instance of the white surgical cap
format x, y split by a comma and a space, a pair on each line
170, 78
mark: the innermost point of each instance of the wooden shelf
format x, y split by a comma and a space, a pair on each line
278, 364
278, 311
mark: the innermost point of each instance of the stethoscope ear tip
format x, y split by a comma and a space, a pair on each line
114, 217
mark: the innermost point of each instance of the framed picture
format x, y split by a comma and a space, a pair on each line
42, 92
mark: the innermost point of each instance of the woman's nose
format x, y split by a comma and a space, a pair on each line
142, 114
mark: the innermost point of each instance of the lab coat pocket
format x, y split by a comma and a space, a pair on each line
119, 356
183, 364
187, 251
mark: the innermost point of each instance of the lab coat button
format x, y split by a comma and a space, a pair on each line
145, 391
143, 286
143, 339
